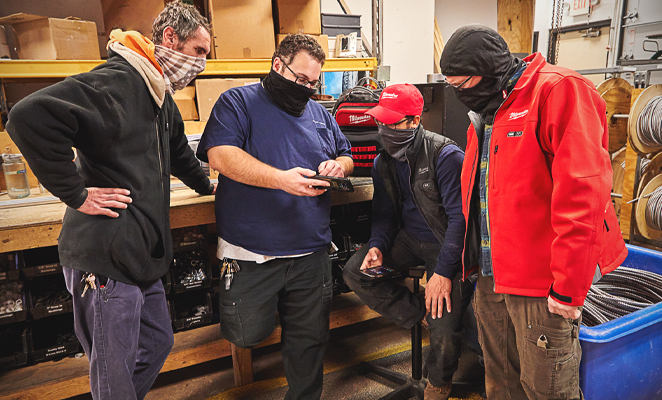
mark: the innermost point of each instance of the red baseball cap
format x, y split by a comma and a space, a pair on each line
396, 102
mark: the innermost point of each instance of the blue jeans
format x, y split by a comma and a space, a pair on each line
126, 333
405, 309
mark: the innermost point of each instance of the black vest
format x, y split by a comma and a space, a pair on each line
422, 156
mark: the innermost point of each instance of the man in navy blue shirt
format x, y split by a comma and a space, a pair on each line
417, 219
267, 141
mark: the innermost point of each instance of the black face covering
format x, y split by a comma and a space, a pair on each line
478, 97
288, 96
476, 50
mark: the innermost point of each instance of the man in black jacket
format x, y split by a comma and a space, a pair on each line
115, 242
417, 220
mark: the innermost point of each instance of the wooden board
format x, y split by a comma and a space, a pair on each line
617, 159
617, 94
515, 24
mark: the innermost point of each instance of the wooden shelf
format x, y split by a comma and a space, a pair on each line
69, 377
22, 69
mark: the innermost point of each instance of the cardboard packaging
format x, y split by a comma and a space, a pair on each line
242, 29
194, 127
298, 16
185, 100
323, 40
135, 15
43, 38
209, 91
4, 48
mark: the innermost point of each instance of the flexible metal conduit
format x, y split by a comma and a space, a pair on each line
621, 292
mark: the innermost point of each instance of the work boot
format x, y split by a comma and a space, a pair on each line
437, 393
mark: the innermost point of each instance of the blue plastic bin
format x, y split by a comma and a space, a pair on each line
622, 358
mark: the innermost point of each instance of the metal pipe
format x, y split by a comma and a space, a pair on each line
622, 116
617, 195
616, 35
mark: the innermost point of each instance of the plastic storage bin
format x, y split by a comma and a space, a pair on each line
622, 358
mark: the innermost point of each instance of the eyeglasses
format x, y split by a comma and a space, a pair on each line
392, 126
303, 81
461, 84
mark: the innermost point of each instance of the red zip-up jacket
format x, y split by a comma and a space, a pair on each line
549, 187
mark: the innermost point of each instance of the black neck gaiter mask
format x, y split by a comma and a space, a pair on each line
477, 50
288, 96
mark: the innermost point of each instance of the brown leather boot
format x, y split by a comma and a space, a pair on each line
437, 393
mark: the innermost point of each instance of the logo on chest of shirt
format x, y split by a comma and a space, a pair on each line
515, 133
423, 170
516, 115
357, 119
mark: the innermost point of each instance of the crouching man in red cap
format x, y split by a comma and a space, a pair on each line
417, 220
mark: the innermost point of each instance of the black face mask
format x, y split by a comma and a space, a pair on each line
288, 96
479, 97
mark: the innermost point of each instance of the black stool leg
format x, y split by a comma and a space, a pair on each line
413, 386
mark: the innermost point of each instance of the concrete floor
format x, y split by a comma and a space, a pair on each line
376, 340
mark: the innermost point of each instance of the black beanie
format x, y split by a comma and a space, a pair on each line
479, 51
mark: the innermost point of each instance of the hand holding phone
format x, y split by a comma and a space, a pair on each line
336, 183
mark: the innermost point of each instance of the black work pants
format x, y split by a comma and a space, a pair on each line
405, 308
300, 289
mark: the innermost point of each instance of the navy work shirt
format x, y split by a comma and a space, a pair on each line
265, 221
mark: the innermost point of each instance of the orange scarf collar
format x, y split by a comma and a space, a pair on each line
137, 42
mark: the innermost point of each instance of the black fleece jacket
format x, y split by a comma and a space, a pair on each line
123, 140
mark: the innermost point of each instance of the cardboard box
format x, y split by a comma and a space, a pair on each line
209, 91
43, 38
323, 40
298, 16
131, 15
242, 29
185, 100
194, 127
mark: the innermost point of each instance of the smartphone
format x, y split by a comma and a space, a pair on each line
338, 184
377, 272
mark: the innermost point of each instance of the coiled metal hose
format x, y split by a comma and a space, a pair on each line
649, 123
654, 209
621, 292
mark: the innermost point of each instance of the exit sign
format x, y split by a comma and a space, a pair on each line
579, 7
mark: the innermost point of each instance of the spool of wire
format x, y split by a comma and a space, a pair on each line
654, 210
649, 123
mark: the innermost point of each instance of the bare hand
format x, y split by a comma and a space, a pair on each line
437, 290
555, 307
374, 258
294, 181
214, 191
99, 201
331, 168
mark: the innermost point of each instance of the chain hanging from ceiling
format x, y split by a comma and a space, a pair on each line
557, 19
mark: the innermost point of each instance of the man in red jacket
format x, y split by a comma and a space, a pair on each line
536, 195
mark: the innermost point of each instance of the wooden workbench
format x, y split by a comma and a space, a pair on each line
38, 225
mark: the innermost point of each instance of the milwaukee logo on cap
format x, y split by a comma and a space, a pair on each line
389, 95
396, 102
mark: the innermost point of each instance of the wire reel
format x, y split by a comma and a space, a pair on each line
649, 210
645, 121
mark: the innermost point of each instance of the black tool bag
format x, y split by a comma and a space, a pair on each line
361, 130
